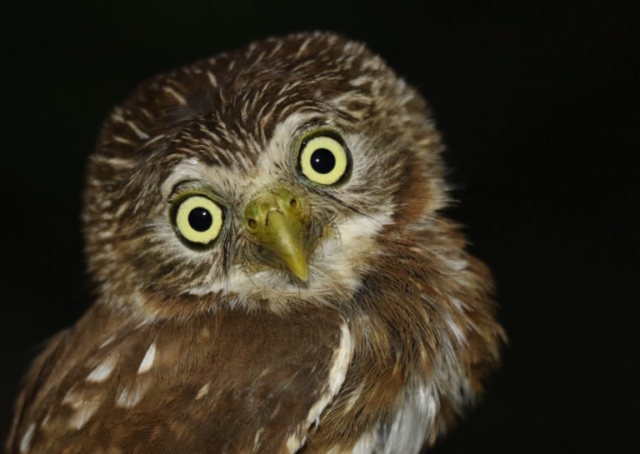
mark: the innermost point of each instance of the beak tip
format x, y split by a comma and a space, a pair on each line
283, 235
301, 270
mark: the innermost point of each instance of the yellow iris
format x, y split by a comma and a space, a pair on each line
323, 160
198, 219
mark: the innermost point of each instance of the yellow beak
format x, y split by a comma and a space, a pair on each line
276, 221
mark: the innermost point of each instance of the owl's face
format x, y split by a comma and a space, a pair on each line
275, 178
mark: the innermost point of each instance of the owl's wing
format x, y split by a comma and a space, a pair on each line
38, 375
233, 383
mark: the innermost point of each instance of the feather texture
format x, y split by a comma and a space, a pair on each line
219, 347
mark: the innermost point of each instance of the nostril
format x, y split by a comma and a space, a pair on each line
252, 223
293, 203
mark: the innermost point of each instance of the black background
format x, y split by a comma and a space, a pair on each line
534, 101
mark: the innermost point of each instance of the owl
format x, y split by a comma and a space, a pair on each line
272, 269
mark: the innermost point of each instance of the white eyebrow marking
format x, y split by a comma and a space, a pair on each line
101, 372
147, 361
25, 443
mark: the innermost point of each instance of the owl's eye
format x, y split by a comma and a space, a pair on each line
323, 159
197, 219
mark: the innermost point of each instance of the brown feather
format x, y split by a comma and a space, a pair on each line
218, 351
216, 384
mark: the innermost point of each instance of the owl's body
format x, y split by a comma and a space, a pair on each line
273, 273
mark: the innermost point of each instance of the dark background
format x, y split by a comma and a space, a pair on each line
534, 102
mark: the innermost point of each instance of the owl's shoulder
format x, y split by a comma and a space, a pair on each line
232, 379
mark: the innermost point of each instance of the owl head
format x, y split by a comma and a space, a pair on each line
268, 177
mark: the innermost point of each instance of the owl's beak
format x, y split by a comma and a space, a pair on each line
276, 220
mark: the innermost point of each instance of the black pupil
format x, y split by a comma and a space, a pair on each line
200, 219
323, 161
